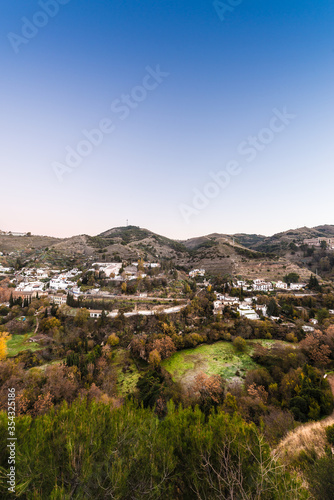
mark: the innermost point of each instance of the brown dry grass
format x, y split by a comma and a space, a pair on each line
308, 438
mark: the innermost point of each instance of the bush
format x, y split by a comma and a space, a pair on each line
320, 477
330, 434
113, 340
240, 344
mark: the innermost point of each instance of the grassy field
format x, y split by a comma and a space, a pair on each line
127, 372
19, 343
220, 358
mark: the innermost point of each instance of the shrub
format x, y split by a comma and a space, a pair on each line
330, 434
113, 340
240, 344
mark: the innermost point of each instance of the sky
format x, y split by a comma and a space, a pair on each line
185, 118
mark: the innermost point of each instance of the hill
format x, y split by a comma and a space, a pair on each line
241, 255
290, 245
25, 243
222, 254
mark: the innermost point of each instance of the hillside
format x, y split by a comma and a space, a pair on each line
25, 243
217, 253
289, 245
222, 254
280, 241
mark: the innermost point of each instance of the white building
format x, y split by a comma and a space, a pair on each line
240, 284
196, 272
262, 308
247, 312
230, 301
308, 329
297, 286
58, 299
281, 285
5, 269
262, 286
95, 313
32, 286
60, 284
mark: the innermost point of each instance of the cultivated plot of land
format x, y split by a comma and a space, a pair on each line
19, 343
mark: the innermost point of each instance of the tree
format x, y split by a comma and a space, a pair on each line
81, 316
154, 358
316, 349
165, 347
313, 283
113, 340
123, 287
273, 308
240, 344
141, 266
210, 389
322, 314
4, 337
291, 278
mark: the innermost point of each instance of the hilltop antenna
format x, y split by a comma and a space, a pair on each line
127, 222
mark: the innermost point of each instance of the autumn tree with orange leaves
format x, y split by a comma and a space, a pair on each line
316, 348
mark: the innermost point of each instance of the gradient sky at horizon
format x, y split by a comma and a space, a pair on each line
225, 79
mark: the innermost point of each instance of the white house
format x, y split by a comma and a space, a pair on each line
32, 286
262, 308
248, 312
197, 272
230, 301
297, 286
281, 285
113, 268
95, 313
262, 286
60, 284
5, 269
308, 329
58, 299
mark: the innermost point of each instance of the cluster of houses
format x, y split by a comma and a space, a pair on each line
259, 285
112, 270
12, 233
196, 272
36, 280
33, 281
64, 281
316, 242
5, 270
244, 308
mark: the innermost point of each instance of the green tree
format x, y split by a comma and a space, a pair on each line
240, 344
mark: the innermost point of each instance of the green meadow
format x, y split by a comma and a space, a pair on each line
220, 358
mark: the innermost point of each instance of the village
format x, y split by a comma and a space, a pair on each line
57, 285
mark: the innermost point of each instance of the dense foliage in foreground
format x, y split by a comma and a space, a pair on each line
91, 450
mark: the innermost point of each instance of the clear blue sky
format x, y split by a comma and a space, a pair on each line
227, 72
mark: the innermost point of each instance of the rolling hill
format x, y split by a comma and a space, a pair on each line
247, 256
